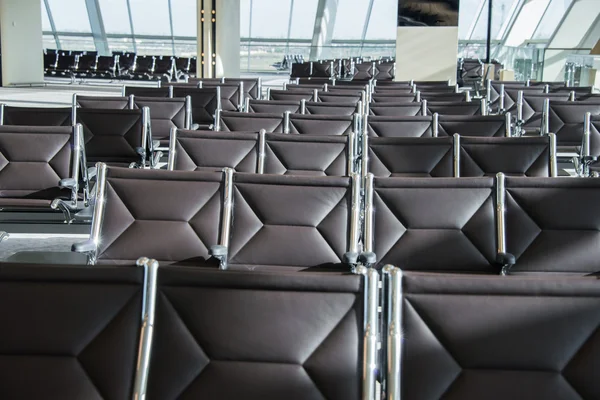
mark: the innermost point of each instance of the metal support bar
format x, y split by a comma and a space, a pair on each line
172, 149
371, 334
500, 212
553, 159
356, 213
262, 145
369, 214
456, 155
97, 27
393, 288
227, 207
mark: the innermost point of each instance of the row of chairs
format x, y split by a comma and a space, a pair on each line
274, 153
345, 69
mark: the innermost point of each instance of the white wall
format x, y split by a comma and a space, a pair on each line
21, 34
228, 38
426, 53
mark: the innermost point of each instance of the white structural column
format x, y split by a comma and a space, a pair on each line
323, 31
572, 33
21, 35
426, 53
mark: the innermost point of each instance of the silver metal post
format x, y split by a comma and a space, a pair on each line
456, 88
1, 114
303, 106
315, 95
172, 147
227, 207
572, 95
365, 125
456, 155
286, 122
365, 155
418, 96
131, 102
500, 212
546, 88
545, 128
468, 96
219, 105
587, 126
269, 93
241, 97
502, 99
188, 113
484, 109
259, 89
435, 125
99, 207
488, 93
247, 105
424, 107
171, 92
285, 85
77, 150
147, 133
351, 157
369, 214
553, 159
520, 104
507, 125
394, 331
261, 151
147, 329
371, 336
123, 91
355, 216
74, 110
217, 124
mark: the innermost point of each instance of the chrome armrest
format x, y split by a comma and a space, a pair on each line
220, 253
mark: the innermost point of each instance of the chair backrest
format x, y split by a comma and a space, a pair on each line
511, 95
552, 224
408, 156
514, 156
308, 155
87, 62
166, 114
35, 116
444, 97
291, 95
34, 159
269, 328
322, 69
171, 216
74, 331
105, 102
213, 151
533, 107
66, 62
301, 70
385, 71
304, 86
144, 64
389, 97
232, 94
384, 109
456, 108
364, 71
290, 221
475, 125
317, 108
114, 136
566, 120
164, 65
523, 326
323, 124
252, 87
398, 126
348, 98
272, 106
432, 224
145, 91
250, 122
106, 64
205, 103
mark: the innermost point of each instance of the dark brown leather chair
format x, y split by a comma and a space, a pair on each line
137, 216
252, 86
552, 224
432, 224
318, 108
205, 104
385, 109
530, 115
364, 71
323, 70
35, 116
444, 97
566, 120
398, 126
308, 155
456, 108
272, 106
291, 222
511, 95
232, 94
322, 124
291, 95
336, 97
475, 125
213, 151
166, 114
304, 86
252, 335
408, 156
514, 156
145, 91
389, 96
386, 71
249, 122
476, 337
116, 137
104, 102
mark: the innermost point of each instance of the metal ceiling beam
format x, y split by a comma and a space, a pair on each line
366, 24
97, 26
131, 26
52, 25
171, 25
324, 25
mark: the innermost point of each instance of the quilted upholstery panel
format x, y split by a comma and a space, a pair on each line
147, 91
512, 93
214, 151
250, 86
140, 219
164, 115
230, 94
249, 122
33, 161
566, 121
289, 221
37, 116
322, 70
363, 71
443, 97
478, 125
514, 338
347, 98
292, 95
73, 332
262, 337
544, 239
273, 106
321, 124
300, 70
400, 126
411, 157
330, 108
111, 136
390, 96
517, 156
385, 71
595, 135
435, 224
204, 103
111, 103
395, 109
533, 106
454, 108
306, 155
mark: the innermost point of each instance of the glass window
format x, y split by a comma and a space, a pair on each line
85, 43
185, 17
270, 19
552, 17
70, 16
382, 25
186, 48
154, 47
501, 13
467, 13
150, 17
115, 16
526, 22
245, 18
304, 13
121, 44
48, 42
45, 20
350, 19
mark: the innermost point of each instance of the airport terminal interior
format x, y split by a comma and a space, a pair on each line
300, 200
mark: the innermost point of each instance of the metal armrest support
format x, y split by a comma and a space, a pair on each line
66, 207
220, 253
350, 258
92, 171
195, 127
156, 159
68, 183
368, 259
507, 261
